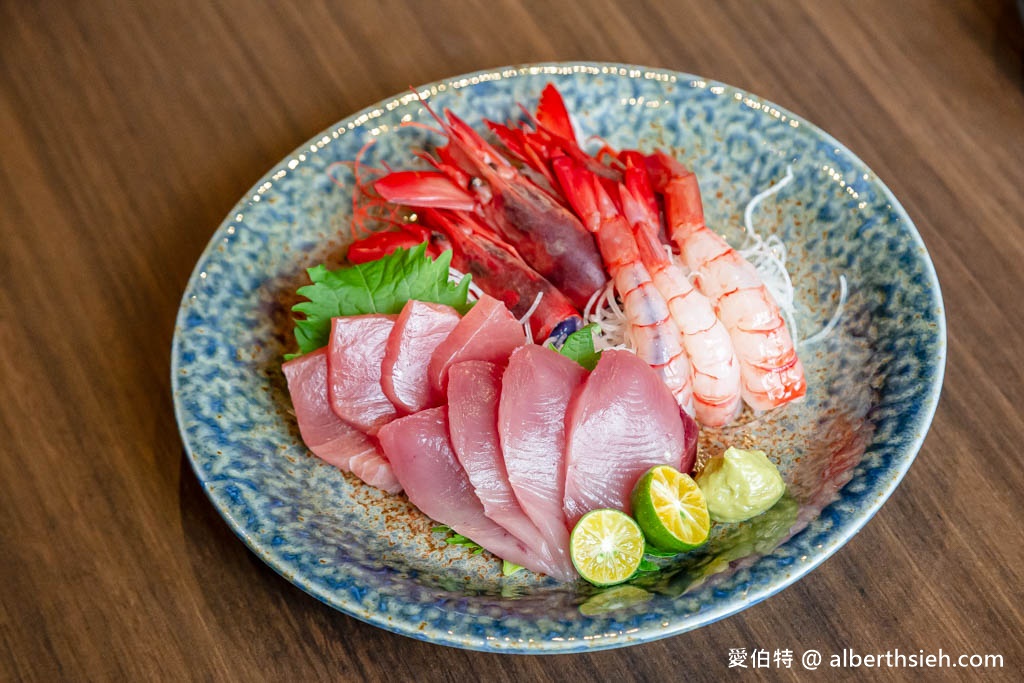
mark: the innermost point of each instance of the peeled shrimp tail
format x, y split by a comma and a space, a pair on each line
770, 370
772, 373
714, 366
652, 333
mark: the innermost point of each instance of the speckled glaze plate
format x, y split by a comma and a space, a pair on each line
873, 383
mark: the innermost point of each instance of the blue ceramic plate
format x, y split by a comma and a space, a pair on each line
874, 382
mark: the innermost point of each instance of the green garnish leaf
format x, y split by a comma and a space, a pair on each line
381, 286
508, 568
579, 346
648, 566
655, 552
468, 543
456, 539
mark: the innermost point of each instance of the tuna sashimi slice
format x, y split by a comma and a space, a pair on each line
375, 470
623, 422
535, 391
354, 357
487, 332
418, 448
419, 329
329, 437
473, 390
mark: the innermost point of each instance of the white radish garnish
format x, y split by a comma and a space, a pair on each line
525, 320
766, 254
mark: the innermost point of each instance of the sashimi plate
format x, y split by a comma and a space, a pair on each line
874, 379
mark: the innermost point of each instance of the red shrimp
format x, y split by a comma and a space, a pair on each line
551, 134
380, 244
501, 272
652, 332
473, 176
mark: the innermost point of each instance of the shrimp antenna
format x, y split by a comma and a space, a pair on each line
424, 126
441, 122
530, 118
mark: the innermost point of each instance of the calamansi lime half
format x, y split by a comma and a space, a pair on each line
606, 547
671, 509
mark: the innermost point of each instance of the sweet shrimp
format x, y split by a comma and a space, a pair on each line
716, 370
473, 176
772, 373
655, 337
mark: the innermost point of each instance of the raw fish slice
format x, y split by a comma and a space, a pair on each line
329, 437
419, 329
375, 470
354, 357
421, 455
488, 332
473, 390
535, 391
623, 422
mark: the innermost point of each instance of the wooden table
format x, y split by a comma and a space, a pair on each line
128, 130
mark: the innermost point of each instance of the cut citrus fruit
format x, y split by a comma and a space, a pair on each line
671, 509
606, 547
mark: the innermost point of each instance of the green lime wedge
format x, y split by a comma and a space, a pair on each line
671, 509
606, 547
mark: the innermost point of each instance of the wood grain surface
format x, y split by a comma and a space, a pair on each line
129, 129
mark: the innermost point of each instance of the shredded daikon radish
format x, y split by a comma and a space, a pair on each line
768, 256
827, 330
613, 327
456, 276
525, 320
748, 214
588, 309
